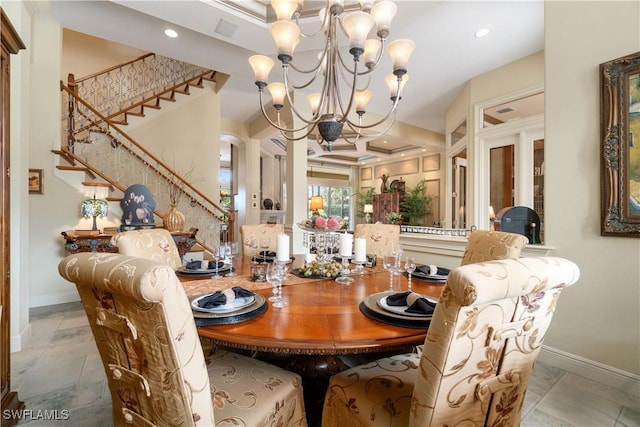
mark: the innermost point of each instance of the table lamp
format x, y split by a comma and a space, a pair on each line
316, 204
368, 210
94, 208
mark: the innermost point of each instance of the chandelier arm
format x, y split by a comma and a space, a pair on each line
359, 127
346, 112
314, 119
304, 85
312, 35
278, 125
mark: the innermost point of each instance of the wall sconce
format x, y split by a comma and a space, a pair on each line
368, 210
317, 203
94, 208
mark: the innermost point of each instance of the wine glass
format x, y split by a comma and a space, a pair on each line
230, 251
217, 253
253, 244
391, 264
276, 273
272, 277
409, 267
264, 246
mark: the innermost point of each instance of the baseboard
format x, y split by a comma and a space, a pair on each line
612, 377
15, 344
53, 299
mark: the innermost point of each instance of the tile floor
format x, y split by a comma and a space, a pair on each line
60, 370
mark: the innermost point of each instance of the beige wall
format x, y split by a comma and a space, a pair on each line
599, 318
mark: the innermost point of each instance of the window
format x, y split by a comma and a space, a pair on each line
336, 200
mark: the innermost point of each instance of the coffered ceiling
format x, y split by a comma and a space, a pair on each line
222, 34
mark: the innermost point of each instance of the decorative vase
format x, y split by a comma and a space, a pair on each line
174, 219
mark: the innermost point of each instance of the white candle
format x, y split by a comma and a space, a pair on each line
360, 249
346, 244
282, 247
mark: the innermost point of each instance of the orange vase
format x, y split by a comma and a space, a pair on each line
174, 219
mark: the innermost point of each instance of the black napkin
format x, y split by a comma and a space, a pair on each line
426, 269
197, 265
420, 306
267, 254
218, 298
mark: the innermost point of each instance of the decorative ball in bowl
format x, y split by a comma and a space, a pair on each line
321, 223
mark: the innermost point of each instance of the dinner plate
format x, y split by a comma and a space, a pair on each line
235, 305
203, 271
372, 303
225, 318
398, 309
433, 277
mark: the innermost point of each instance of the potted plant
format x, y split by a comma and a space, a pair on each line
415, 204
393, 218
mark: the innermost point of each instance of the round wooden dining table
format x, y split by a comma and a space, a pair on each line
321, 327
322, 316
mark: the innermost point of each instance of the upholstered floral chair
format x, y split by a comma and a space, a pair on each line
379, 236
155, 244
485, 245
251, 235
157, 372
486, 332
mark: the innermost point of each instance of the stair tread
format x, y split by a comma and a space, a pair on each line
72, 168
95, 184
135, 113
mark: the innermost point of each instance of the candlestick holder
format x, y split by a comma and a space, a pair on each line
344, 272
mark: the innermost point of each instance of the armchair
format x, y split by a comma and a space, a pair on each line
157, 372
484, 245
251, 234
485, 335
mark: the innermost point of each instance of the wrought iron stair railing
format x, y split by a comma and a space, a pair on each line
95, 142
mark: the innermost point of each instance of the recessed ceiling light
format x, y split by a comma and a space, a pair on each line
170, 33
481, 33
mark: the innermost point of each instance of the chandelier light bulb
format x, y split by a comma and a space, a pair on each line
361, 98
371, 50
284, 8
261, 66
383, 13
314, 102
357, 25
278, 92
400, 50
287, 36
392, 82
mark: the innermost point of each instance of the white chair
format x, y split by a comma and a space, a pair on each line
252, 234
379, 237
155, 244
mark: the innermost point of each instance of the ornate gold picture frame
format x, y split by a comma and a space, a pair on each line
620, 146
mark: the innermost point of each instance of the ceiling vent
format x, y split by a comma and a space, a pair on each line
505, 110
226, 28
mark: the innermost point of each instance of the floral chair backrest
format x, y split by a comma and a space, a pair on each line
155, 244
252, 234
379, 237
144, 329
486, 245
486, 332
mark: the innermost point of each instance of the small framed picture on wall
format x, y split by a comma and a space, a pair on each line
35, 181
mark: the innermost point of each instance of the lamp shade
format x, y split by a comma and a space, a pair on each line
368, 209
317, 203
92, 208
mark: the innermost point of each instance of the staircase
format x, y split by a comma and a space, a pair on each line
97, 107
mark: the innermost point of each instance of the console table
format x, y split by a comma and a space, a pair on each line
77, 242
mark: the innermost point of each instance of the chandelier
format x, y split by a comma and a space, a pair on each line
343, 80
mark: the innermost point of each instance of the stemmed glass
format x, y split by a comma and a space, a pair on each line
276, 273
409, 267
391, 264
230, 251
217, 254
264, 246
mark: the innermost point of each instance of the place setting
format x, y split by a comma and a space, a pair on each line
428, 273
407, 309
227, 306
204, 268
